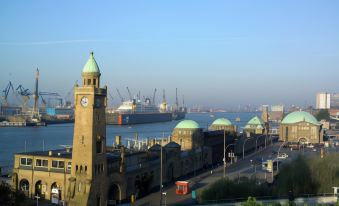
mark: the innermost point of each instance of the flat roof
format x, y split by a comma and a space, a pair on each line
61, 153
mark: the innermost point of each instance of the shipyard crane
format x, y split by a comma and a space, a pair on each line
25, 93
176, 99
42, 94
121, 98
163, 96
110, 95
155, 90
6, 91
129, 94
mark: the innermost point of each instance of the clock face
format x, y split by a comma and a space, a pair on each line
84, 101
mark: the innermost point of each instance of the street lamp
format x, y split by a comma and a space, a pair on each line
37, 200
165, 194
243, 148
225, 149
278, 155
224, 153
160, 174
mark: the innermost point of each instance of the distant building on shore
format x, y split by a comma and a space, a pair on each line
323, 100
277, 113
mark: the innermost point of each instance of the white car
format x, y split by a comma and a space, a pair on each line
282, 156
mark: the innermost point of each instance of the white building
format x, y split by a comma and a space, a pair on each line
323, 100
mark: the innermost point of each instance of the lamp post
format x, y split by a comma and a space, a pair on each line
37, 200
278, 155
243, 148
160, 174
224, 154
256, 143
165, 194
225, 149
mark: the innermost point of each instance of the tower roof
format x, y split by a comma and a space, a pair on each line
187, 124
91, 66
222, 121
300, 116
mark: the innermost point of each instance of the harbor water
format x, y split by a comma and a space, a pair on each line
20, 139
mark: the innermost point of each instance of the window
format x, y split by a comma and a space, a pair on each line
69, 165
41, 163
94, 81
89, 81
26, 161
58, 164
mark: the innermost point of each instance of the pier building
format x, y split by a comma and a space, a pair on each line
255, 126
224, 125
301, 127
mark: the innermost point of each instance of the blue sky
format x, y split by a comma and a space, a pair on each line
217, 53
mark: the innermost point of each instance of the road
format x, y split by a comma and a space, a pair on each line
249, 166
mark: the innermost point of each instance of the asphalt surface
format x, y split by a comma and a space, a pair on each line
249, 166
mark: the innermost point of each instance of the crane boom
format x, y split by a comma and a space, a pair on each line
163, 96
155, 90
6, 92
176, 98
129, 93
121, 98
36, 92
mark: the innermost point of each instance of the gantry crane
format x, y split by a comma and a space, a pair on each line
155, 90
6, 91
121, 98
25, 93
129, 94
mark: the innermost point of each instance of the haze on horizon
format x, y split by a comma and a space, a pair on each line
217, 53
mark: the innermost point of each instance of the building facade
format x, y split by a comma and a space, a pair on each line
224, 125
255, 126
301, 127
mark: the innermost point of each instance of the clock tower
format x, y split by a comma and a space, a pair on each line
89, 168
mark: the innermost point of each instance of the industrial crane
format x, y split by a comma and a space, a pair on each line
176, 99
121, 98
5, 92
155, 90
129, 94
25, 93
42, 94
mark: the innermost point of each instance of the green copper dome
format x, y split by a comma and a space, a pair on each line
222, 121
255, 121
300, 116
91, 66
187, 124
